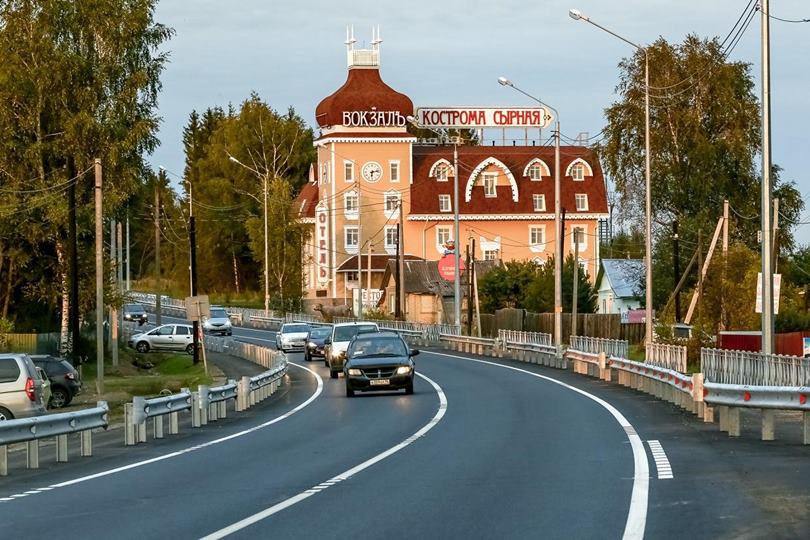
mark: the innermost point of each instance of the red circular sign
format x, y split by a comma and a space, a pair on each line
447, 267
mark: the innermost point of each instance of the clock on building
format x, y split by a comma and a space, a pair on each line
372, 171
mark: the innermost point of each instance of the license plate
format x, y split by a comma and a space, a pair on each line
379, 382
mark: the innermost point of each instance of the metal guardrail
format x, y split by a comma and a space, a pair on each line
611, 347
754, 368
60, 425
141, 409
666, 355
520, 337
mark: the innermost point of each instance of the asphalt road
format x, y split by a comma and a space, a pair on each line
481, 450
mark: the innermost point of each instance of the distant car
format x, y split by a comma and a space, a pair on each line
292, 336
337, 343
135, 313
64, 378
218, 322
315, 342
379, 361
21, 392
168, 337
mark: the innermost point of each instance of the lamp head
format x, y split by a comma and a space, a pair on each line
576, 14
503, 81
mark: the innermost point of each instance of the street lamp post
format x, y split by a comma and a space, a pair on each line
266, 262
558, 241
578, 16
456, 242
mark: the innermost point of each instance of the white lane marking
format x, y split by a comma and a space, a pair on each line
661, 462
637, 515
266, 513
164, 457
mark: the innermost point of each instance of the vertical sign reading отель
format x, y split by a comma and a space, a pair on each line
322, 243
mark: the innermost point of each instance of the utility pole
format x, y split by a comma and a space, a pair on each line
474, 274
725, 266
402, 295
399, 288
119, 283
775, 253
676, 266
73, 263
129, 275
99, 280
699, 293
469, 292
158, 284
192, 239
113, 312
767, 188
368, 283
574, 306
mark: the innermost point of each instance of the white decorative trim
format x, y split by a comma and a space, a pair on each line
487, 245
502, 217
364, 140
441, 161
351, 214
308, 220
588, 169
483, 165
391, 214
538, 161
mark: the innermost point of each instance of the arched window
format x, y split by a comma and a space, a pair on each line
579, 169
536, 169
441, 170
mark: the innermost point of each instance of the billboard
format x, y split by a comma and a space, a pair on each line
482, 117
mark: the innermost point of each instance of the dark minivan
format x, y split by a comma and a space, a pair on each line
65, 383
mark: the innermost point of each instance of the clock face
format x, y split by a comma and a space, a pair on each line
372, 171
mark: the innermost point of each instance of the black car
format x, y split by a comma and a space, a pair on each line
314, 342
65, 383
135, 313
379, 361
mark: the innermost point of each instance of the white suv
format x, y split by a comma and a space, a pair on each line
335, 345
218, 322
21, 388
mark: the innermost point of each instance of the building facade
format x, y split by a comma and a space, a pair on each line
373, 179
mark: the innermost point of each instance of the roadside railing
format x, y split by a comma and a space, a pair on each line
594, 345
470, 344
754, 368
521, 337
59, 426
666, 355
141, 409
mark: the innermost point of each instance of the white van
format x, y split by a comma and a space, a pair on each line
336, 344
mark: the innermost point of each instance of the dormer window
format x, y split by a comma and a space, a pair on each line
578, 172
441, 173
489, 184
535, 173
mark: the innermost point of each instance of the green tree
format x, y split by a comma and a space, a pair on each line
540, 293
506, 285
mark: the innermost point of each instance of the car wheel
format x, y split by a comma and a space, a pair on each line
409, 388
142, 347
325, 362
5, 414
307, 357
190, 348
333, 374
230, 333
349, 391
59, 398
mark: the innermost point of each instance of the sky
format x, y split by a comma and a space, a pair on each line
451, 52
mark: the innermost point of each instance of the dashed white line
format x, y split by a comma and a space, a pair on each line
661, 462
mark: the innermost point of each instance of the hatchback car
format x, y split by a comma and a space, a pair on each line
168, 337
315, 342
338, 342
135, 313
379, 361
21, 390
292, 336
218, 322
64, 378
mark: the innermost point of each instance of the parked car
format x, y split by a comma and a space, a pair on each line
169, 337
218, 322
337, 343
315, 340
379, 361
135, 313
292, 336
20, 387
64, 379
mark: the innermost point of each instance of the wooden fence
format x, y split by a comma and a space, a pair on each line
602, 325
30, 343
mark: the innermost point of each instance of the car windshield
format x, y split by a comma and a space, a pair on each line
376, 346
346, 333
295, 329
219, 314
321, 332
133, 308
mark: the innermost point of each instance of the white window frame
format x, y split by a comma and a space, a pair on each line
445, 203
539, 197
442, 172
444, 233
581, 197
348, 171
583, 244
535, 231
351, 248
393, 165
392, 213
490, 254
390, 230
351, 213
578, 172
535, 167
485, 179
349, 275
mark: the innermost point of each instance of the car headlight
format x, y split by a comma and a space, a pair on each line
311, 345
354, 372
403, 370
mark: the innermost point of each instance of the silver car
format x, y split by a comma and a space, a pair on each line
292, 336
218, 322
21, 389
168, 337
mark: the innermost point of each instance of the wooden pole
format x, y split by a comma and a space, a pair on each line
99, 279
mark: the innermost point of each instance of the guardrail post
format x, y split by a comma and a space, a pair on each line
86, 443
202, 400
805, 422
139, 418
768, 424
195, 410
4, 460
129, 426
733, 421
223, 409
708, 414
174, 423
157, 427
242, 392
32, 454
61, 449
723, 417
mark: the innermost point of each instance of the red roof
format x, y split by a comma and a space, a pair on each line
363, 90
425, 189
307, 200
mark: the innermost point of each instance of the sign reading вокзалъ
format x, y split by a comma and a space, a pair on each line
482, 117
